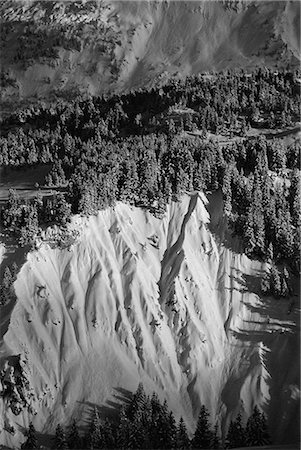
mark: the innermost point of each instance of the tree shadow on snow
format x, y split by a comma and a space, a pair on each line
124, 394
109, 410
45, 440
272, 337
247, 282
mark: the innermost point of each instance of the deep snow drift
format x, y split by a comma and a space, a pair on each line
170, 302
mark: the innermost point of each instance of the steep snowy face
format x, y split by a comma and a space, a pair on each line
170, 302
54, 48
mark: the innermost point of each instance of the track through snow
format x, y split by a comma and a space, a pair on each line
162, 301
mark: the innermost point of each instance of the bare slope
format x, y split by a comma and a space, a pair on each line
64, 47
157, 301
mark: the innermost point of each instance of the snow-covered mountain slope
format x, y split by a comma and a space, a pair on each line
170, 302
51, 48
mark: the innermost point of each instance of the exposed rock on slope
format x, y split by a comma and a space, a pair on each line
65, 47
158, 301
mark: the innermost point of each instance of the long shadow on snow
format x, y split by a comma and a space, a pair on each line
276, 337
110, 409
218, 225
45, 440
278, 333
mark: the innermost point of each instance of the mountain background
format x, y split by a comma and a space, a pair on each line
65, 48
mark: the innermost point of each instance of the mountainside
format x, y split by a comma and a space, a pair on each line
150, 223
171, 302
62, 48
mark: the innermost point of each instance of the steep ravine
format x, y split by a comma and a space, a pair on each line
162, 301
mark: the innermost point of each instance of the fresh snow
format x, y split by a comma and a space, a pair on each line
171, 302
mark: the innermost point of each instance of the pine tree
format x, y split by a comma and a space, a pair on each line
58, 174
227, 193
49, 180
182, 439
249, 237
95, 437
129, 182
74, 440
13, 211
137, 403
30, 228
7, 292
257, 215
171, 127
236, 434
203, 434
146, 418
295, 197
108, 435
14, 270
259, 234
136, 434
198, 183
156, 406
270, 252
256, 429
265, 284
286, 274
124, 430
284, 235
159, 416
275, 281
62, 209
60, 438
287, 279
265, 436
169, 432
215, 442
284, 287
243, 126
7, 278
160, 425
31, 441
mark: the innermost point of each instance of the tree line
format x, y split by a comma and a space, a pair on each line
8, 275
121, 148
264, 96
146, 423
260, 188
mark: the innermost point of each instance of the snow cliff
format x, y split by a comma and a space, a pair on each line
171, 302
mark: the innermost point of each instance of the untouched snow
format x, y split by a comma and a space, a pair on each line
172, 303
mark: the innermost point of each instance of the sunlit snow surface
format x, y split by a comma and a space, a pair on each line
171, 302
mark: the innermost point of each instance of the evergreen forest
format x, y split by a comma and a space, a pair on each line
148, 147
144, 422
